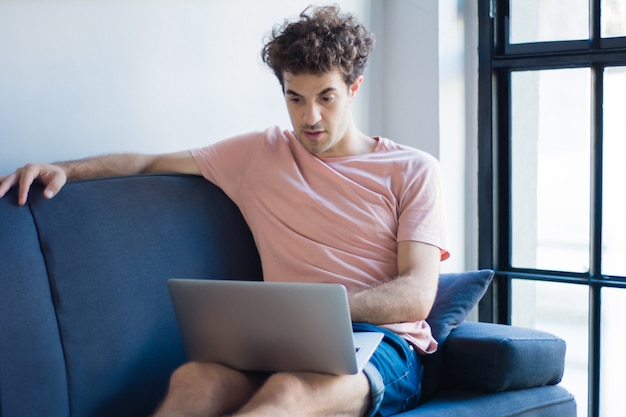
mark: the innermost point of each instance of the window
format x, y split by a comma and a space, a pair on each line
552, 173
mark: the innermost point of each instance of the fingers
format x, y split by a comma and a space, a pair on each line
52, 176
26, 176
55, 184
6, 182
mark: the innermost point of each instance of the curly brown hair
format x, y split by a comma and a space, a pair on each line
324, 39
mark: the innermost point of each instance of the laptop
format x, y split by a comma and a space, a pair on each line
270, 326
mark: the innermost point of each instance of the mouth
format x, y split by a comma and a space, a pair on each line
313, 135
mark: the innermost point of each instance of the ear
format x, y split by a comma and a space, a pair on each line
354, 88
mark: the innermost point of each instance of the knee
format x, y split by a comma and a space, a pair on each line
287, 382
192, 376
286, 388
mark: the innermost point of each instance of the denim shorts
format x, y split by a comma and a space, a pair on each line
394, 372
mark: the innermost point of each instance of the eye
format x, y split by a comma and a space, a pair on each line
328, 98
294, 99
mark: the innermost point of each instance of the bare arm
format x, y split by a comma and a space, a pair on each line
129, 164
407, 298
54, 176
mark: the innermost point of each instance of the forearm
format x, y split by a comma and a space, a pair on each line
54, 176
400, 300
105, 166
407, 298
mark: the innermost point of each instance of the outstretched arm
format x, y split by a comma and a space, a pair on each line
407, 298
54, 176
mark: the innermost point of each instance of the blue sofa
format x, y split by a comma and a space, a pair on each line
87, 328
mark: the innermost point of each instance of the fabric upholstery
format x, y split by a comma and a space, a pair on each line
29, 336
109, 255
86, 324
550, 401
457, 295
498, 358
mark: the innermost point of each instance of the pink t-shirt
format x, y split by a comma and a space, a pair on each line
333, 220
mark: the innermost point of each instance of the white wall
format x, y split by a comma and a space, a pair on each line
86, 77
79, 78
406, 73
458, 146
424, 95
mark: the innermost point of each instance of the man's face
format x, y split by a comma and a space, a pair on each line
319, 107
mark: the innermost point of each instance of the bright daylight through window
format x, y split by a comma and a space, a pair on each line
558, 72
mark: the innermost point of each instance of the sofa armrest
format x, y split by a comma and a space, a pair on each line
495, 357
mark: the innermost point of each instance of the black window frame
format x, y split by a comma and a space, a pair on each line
497, 59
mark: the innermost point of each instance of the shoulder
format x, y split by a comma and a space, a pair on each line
247, 141
411, 158
272, 137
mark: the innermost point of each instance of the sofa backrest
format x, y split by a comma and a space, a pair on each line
89, 288
32, 367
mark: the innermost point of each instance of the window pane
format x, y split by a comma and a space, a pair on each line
613, 345
548, 20
614, 175
560, 309
550, 130
613, 15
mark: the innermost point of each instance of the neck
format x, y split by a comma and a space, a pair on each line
358, 143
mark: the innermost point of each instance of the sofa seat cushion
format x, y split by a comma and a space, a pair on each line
494, 357
548, 401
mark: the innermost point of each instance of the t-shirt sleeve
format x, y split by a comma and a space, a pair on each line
225, 163
421, 208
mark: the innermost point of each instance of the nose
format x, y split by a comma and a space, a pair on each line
312, 114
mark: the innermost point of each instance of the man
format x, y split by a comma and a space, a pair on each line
326, 203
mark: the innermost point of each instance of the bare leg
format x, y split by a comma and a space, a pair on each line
309, 394
199, 389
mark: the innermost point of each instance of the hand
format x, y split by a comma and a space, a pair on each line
52, 176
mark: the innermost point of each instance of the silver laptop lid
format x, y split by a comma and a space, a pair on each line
267, 326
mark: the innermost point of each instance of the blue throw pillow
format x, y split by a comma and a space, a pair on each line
457, 295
